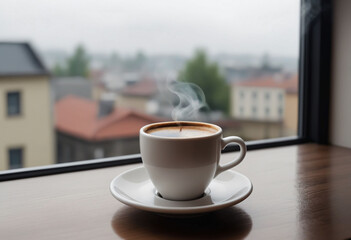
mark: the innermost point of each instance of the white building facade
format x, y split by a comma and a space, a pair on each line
258, 103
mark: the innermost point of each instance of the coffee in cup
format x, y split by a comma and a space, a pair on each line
180, 131
182, 157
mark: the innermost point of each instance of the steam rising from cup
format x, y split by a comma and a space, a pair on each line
192, 101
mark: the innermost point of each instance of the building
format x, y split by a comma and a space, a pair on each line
240, 73
88, 130
291, 107
26, 126
138, 96
149, 96
267, 106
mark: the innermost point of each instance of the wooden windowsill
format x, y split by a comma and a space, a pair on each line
300, 192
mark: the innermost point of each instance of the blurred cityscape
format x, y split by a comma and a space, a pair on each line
64, 107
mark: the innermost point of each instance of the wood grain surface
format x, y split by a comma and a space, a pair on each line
300, 192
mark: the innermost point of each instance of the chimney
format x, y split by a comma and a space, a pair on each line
106, 104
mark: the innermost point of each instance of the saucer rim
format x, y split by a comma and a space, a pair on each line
177, 210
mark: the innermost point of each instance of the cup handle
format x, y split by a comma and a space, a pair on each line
224, 143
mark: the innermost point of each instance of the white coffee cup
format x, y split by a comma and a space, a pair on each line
183, 157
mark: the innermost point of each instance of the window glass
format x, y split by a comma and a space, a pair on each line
13, 103
15, 158
254, 95
254, 111
99, 153
116, 66
280, 111
241, 110
242, 94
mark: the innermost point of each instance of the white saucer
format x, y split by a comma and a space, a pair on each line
135, 189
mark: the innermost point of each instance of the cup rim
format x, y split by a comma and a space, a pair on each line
176, 123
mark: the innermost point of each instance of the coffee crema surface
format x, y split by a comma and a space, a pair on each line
182, 131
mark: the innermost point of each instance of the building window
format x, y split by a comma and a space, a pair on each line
241, 110
242, 94
13, 103
99, 153
267, 111
254, 95
15, 158
68, 153
267, 96
254, 110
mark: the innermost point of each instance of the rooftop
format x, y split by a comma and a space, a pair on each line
287, 82
144, 88
79, 117
17, 59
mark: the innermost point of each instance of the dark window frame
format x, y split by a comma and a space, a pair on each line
314, 95
20, 110
21, 149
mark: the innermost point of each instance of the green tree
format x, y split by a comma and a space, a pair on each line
59, 71
78, 63
206, 75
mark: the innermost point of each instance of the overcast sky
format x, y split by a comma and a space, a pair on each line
155, 26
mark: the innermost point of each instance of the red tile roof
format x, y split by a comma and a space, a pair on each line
289, 83
144, 88
79, 117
